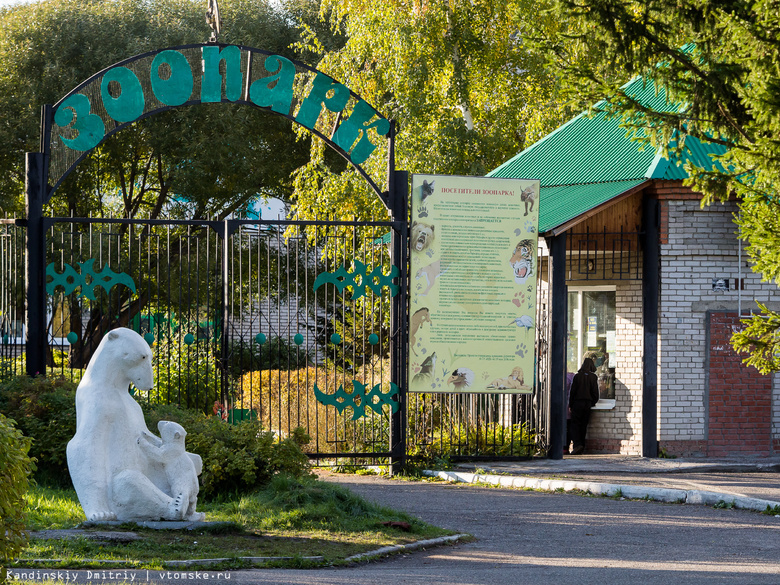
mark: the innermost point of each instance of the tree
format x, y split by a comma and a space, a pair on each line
456, 76
194, 163
216, 157
717, 61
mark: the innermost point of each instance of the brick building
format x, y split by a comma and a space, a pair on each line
651, 284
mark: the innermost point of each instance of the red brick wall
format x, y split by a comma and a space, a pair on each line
740, 398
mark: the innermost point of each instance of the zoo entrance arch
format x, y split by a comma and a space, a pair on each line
156, 81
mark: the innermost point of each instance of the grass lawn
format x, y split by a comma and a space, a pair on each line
288, 518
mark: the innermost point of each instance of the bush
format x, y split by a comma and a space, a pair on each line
276, 353
44, 410
15, 469
236, 458
187, 375
285, 399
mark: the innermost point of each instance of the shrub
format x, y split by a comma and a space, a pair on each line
187, 375
15, 469
236, 458
285, 399
276, 353
44, 410
488, 438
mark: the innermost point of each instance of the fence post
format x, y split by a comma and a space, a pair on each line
398, 187
36, 265
224, 316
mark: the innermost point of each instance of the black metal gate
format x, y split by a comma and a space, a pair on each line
286, 322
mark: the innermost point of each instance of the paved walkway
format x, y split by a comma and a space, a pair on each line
746, 477
536, 538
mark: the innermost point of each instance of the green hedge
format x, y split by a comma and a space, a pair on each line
236, 458
15, 469
44, 410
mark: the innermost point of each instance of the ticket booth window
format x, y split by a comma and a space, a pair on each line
591, 333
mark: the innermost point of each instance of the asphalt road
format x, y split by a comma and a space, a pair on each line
536, 538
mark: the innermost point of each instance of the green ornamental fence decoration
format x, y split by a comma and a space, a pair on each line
359, 399
87, 278
359, 279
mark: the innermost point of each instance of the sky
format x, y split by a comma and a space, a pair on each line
4, 3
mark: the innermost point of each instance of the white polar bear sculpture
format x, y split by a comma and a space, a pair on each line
114, 478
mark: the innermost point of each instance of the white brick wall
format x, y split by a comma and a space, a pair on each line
702, 245
623, 424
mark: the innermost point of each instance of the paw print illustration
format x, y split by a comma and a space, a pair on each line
519, 299
522, 349
518, 232
529, 227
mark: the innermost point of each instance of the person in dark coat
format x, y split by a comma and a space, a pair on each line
583, 395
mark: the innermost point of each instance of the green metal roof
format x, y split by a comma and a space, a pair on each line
590, 160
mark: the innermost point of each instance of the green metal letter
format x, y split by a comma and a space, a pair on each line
279, 97
129, 104
177, 88
356, 127
211, 84
89, 126
310, 109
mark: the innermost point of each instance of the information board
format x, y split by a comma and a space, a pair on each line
473, 284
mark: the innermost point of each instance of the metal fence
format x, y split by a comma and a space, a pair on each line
285, 322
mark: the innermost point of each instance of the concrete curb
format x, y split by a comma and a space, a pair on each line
252, 560
156, 525
179, 564
387, 550
609, 489
384, 551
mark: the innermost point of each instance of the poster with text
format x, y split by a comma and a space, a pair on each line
473, 284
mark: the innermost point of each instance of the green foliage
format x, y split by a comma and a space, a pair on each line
761, 339
45, 411
217, 157
16, 467
284, 399
456, 76
486, 439
717, 63
276, 353
236, 458
187, 375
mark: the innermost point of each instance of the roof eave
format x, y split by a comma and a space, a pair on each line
558, 230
